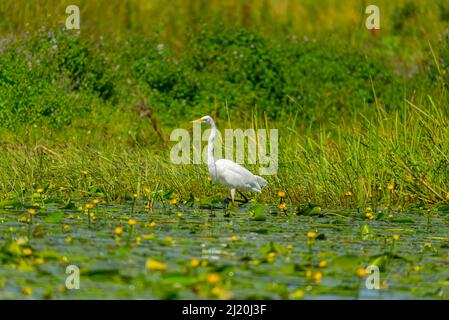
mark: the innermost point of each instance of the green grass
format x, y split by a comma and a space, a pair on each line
406, 149
363, 121
349, 123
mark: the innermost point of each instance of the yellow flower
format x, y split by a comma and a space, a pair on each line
195, 262
179, 214
427, 245
27, 291
311, 234
416, 268
155, 265
40, 190
66, 227
281, 194
317, 276
348, 193
298, 294
85, 172
221, 294
216, 291
173, 201
152, 224
369, 215
132, 222
396, 237
65, 260
11, 229
361, 272
39, 261
234, 238
209, 179
27, 251
390, 186
271, 256
213, 278
31, 211
168, 239
282, 206
322, 264
89, 206
135, 195
118, 230
447, 195
96, 201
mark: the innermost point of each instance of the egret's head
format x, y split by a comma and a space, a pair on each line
205, 119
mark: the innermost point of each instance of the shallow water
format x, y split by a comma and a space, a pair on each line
271, 259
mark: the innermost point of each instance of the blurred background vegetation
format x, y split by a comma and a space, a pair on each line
137, 69
282, 57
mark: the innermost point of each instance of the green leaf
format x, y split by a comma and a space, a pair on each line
258, 212
55, 217
403, 220
347, 262
381, 262
366, 232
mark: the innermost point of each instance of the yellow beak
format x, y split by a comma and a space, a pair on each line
197, 120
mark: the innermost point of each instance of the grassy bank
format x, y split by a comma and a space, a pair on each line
362, 116
395, 158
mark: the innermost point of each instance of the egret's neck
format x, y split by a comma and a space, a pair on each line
210, 152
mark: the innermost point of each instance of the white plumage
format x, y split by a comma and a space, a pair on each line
227, 172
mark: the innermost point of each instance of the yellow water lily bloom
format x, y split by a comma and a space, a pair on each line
195, 262
361, 272
311, 234
154, 265
213, 278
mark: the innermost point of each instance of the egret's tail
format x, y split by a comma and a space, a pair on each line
261, 181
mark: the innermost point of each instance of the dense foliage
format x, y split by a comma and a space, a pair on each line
53, 77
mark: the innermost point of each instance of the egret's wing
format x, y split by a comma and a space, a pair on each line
235, 175
228, 165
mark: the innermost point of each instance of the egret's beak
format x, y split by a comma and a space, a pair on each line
197, 120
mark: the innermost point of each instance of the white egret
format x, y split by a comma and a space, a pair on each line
227, 172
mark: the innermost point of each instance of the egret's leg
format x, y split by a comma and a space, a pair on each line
233, 196
246, 199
